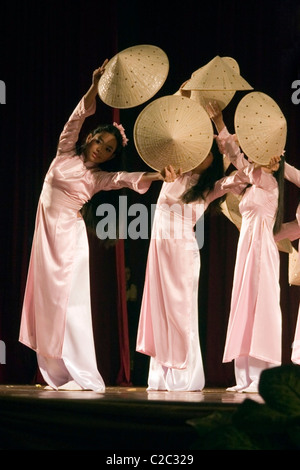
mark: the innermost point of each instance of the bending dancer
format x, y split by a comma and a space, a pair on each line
253, 338
168, 325
56, 317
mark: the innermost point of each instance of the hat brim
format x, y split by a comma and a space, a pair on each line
204, 97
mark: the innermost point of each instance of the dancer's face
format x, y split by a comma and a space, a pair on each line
100, 147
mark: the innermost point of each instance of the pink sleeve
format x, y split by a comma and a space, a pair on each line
237, 182
105, 181
234, 183
292, 174
70, 133
229, 147
257, 176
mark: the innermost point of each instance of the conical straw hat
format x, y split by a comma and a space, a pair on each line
260, 127
222, 97
173, 130
218, 74
133, 76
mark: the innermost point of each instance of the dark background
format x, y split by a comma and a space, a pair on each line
48, 51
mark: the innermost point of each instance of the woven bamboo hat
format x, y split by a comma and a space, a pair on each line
260, 127
173, 130
218, 75
133, 76
222, 97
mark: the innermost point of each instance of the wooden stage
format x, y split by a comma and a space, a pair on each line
121, 419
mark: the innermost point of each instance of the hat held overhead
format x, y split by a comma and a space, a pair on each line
260, 127
222, 97
133, 76
219, 74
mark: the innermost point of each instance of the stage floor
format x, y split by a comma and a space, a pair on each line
122, 418
213, 396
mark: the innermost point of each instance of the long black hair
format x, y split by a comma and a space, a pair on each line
207, 181
279, 175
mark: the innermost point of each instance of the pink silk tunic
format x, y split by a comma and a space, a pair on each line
255, 322
68, 185
164, 330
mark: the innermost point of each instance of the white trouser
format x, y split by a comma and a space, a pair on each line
247, 371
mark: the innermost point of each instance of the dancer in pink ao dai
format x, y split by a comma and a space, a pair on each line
56, 317
291, 230
253, 338
168, 325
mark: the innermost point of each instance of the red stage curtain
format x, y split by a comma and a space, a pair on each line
123, 377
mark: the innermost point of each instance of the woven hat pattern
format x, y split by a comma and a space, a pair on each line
204, 97
173, 130
222, 97
218, 74
260, 127
133, 76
